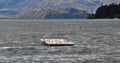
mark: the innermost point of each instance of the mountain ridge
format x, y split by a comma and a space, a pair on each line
14, 7
49, 13
23, 5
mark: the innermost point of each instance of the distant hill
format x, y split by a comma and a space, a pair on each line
108, 11
14, 7
9, 12
111, 11
25, 5
49, 13
3, 17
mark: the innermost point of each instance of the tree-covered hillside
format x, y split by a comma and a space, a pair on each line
107, 11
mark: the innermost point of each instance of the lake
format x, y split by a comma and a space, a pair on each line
98, 41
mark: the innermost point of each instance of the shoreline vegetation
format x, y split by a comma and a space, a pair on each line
111, 11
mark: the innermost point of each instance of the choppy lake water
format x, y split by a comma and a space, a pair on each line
98, 41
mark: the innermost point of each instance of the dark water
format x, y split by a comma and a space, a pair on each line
96, 42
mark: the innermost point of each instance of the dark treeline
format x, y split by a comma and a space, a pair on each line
107, 11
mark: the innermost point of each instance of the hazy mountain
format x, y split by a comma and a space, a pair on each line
31, 4
48, 13
13, 7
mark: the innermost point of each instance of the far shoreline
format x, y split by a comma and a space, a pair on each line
57, 19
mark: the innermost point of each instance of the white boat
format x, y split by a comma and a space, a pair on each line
57, 42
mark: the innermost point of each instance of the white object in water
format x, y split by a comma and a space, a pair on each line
57, 42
